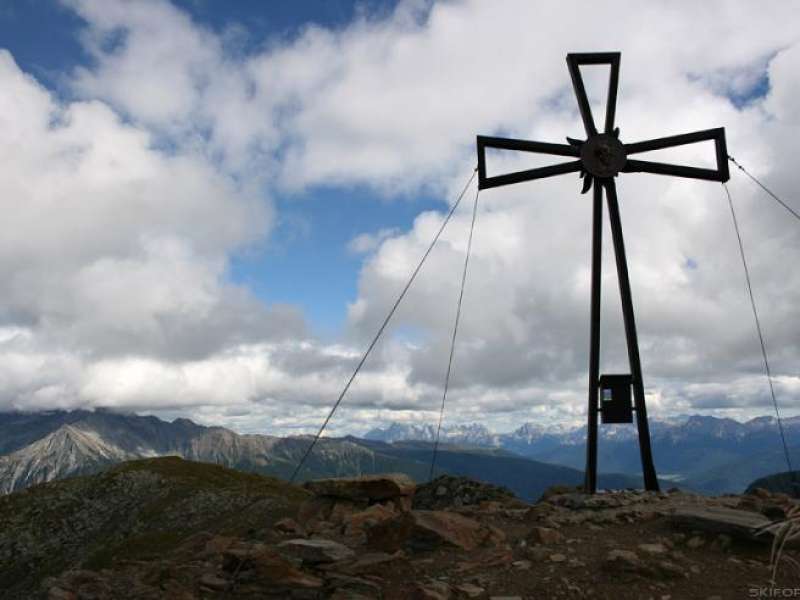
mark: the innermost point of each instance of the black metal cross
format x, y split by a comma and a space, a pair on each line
599, 159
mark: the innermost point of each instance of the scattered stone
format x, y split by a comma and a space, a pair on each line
540, 511
512, 513
447, 491
760, 493
653, 549
422, 530
369, 563
342, 508
557, 490
315, 510
317, 550
495, 536
353, 587
213, 582
358, 522
557, 557
470, 590
544, 535
344, 594
574, 563
522, 565
433, 590
538, 553
670, 570
289, 525
572, 500
624, 561
268, 565
695, 542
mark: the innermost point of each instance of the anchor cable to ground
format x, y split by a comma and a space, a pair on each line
382, 328
767, 370
455, 333
793, 212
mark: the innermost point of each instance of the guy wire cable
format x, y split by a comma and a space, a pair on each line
382, 328
760, 334
794, 213
455, 333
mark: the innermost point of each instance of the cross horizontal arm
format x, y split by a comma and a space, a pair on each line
721, 173
676, 140
520, 176
527, 146
524, 146
646, 166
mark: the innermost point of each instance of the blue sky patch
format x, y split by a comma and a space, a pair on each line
307, 261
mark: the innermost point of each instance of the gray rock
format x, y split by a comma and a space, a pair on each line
316, 550
470, 590
371, 488
624, 561
716, 519
653, 549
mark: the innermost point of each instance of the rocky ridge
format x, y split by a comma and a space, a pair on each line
370, 538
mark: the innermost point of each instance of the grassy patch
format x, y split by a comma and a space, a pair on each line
139, 510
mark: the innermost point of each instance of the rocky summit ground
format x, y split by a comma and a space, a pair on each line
172, 529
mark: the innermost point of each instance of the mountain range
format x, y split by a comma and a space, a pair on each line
705, 453
41, 447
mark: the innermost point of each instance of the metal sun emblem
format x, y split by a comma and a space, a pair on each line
602, 155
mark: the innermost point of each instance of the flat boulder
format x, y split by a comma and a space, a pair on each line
624, 561
737, 523
357, 522
371, 563
369, 488
315, 551
267, 567
422, 530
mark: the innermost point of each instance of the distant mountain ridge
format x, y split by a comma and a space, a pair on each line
42, 447
472, 434
706, 454
48, 446
710, 454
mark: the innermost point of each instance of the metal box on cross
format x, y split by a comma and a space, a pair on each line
616, 405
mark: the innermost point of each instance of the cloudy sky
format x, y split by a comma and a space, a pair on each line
209, 207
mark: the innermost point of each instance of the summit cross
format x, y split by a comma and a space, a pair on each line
599, 159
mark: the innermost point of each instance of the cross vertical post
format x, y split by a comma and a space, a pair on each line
599, 159
648, 469
590, 481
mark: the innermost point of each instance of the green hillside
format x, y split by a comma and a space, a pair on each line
136, 510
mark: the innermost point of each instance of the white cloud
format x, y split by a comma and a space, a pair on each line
123, 207
364, 243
